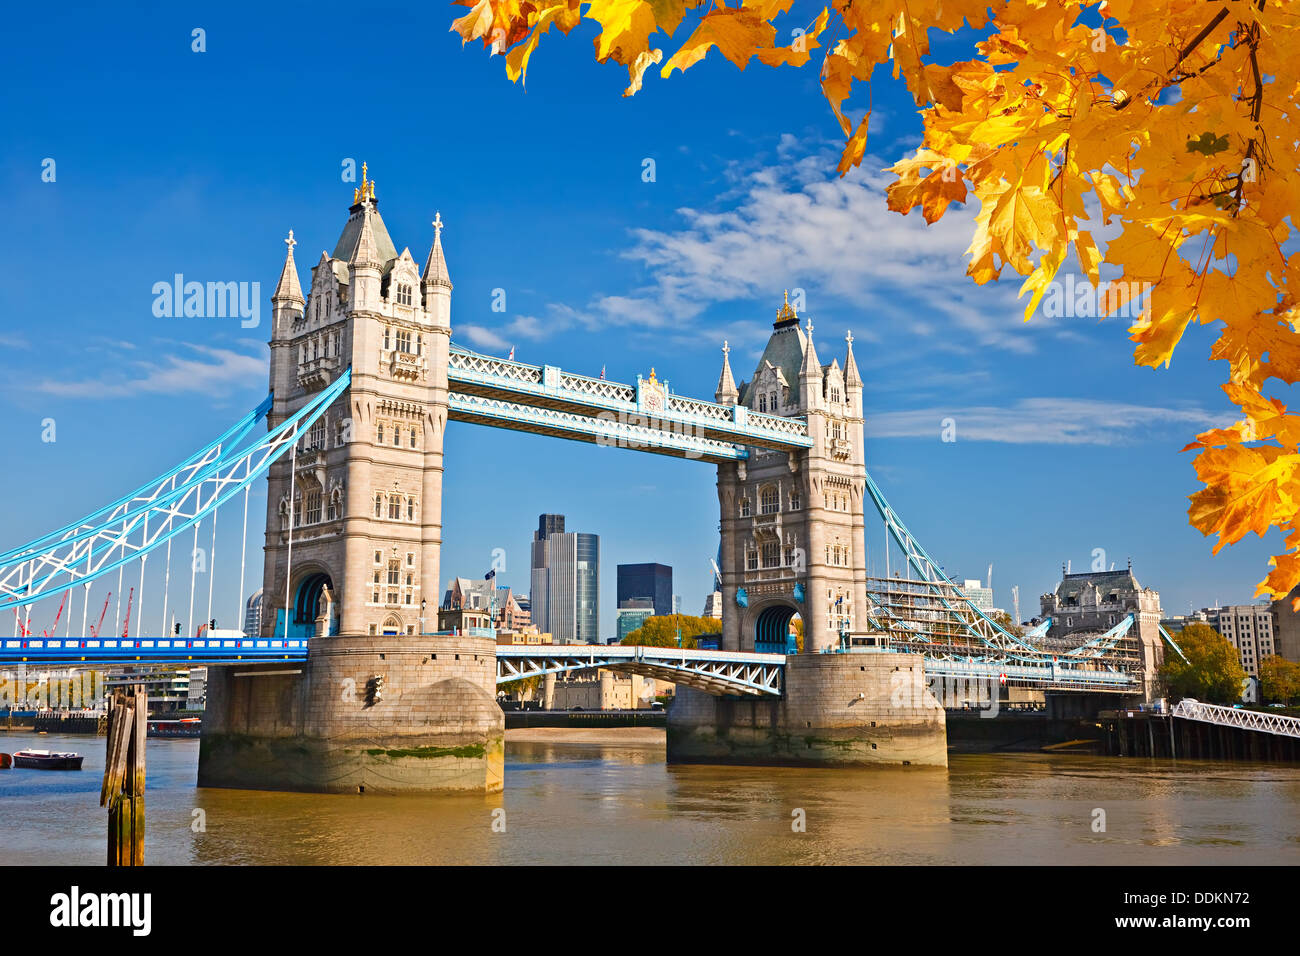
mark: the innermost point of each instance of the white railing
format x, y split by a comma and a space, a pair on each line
694, 406
601, 388
1238, 717
500, 368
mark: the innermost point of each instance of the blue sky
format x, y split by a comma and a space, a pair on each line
173, 161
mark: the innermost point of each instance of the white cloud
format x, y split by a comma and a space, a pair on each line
484, 337
206, 369
1041, 421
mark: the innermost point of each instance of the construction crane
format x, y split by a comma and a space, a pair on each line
94, 628
55, 626
126, 625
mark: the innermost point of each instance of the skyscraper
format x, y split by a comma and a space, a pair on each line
646, 582
565, 582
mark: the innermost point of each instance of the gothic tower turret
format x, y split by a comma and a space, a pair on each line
364, 497
793, 536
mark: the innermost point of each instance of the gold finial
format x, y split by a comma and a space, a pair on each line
652, 376
786, 311
366, 191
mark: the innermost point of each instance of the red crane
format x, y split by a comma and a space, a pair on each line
94, 628
55, 626
126, 625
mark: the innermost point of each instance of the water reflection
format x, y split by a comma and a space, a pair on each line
621, 803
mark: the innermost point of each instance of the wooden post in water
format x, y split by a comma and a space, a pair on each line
124, 776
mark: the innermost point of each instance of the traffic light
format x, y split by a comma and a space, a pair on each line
212, 625
176, 628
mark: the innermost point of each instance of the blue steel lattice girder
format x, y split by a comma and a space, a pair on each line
271, 446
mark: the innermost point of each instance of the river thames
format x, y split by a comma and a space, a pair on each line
617, 801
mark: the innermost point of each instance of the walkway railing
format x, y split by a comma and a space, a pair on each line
1238, 717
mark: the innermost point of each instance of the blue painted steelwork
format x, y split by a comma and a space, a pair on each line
716, 672
1168, 638
542, 395
1038, 630
222, 470
148, 650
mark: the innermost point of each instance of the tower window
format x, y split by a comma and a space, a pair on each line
394, 509
380, 432
403, 295
379, 506
397, 436
313, 507
403, 341
769, 500
386, 337
744, 507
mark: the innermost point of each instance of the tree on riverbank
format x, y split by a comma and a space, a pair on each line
1279, 679
1212, 672
661, 630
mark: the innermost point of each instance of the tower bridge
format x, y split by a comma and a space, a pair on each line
364, 379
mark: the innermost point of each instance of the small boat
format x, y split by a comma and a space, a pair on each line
6, 761
45, 760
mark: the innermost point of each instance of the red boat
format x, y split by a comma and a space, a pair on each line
45, 760
6, 761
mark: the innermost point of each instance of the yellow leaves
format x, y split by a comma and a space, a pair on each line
852, 155
637, 69
1247, 489
625, 27
1045, 111
932, 192
1021, 218
739, 34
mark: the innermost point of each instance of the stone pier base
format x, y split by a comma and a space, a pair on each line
310, 727
870, 708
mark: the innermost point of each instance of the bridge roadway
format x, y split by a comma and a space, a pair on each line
741, 673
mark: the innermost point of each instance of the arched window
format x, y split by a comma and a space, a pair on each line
744, 507
751, 559
769, 500
762, 402
394, 507
771, 554
771, 402
795, 504
313, 506
410, 509
403, 295
397, 436
386, 337
380, 432
412, 437
379, 505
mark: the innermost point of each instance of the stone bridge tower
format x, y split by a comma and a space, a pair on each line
793, 542
792, 524
353, 533
366, 488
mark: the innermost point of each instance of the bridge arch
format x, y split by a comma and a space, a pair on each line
772, 626
310, 599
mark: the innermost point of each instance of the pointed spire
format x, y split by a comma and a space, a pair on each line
811, 366
288, 289
365, 252
851, 377
435, 267
726, 391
